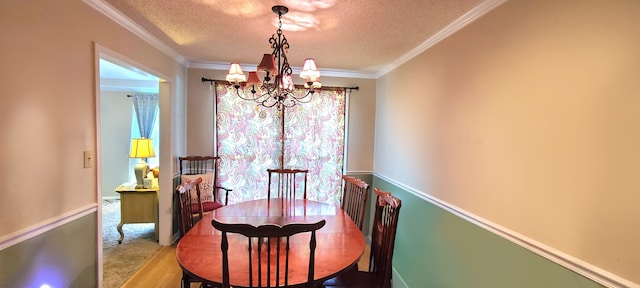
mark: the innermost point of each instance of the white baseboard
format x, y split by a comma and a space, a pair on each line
175, 238
396, 280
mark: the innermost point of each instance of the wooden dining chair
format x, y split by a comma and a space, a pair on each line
206, 167
383, 236
271, 242
287, 183
186, 217
354, 198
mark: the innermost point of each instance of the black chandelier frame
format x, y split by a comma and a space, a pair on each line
278, 90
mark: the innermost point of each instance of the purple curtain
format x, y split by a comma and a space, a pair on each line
248, 145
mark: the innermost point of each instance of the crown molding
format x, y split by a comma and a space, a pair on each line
134, 28
449, 30
453, 27
128, 24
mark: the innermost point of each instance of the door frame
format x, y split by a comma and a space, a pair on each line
165, 183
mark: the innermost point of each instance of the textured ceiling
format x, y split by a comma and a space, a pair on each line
352, 35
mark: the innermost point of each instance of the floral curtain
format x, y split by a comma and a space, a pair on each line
248, 144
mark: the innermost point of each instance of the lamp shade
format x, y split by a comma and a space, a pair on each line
309, 70
235, 74
141, 148
253, 79
268, 64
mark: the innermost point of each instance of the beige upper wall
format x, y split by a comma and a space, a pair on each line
361, 116
528, 117
48, 110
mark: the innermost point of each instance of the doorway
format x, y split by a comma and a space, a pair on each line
117, 124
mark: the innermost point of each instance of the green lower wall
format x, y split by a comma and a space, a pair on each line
175, 227
62, 257
435, 248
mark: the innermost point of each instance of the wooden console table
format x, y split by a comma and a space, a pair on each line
137, 206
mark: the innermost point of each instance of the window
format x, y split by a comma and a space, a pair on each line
154, 136
248, 145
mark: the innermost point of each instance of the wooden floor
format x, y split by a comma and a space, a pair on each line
162, 270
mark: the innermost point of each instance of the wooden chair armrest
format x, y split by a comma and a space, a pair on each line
226, 194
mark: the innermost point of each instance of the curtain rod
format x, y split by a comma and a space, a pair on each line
143, 94
211, 81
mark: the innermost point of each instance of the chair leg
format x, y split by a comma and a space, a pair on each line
185, 280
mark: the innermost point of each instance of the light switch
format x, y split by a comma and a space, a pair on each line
88, 159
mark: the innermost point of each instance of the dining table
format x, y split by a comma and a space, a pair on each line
340, 243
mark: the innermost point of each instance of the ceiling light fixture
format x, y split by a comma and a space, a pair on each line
276, 88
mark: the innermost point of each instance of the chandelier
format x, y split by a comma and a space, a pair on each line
276, 87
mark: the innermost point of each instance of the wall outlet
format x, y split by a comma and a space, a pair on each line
88, 159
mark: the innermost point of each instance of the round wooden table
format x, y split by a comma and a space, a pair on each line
339, 243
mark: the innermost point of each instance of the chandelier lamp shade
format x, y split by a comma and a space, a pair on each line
141, 148
276, 88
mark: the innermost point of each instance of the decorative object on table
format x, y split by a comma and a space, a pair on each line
354, 198
276, 87
383, 236
148, 183
141, 148
275, 240
156, 172
205, 167
287, 182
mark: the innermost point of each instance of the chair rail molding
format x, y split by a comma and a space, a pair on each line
581, 267
11, 239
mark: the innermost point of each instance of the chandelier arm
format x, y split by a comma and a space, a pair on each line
257, 97
292, 101
270, 88
301, 98
265, 103
241, 95
289, 104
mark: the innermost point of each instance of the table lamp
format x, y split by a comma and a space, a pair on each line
141, 148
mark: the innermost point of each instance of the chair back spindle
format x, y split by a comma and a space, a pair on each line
287, 182
185, 211
272, 237
383, 235
354, 199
